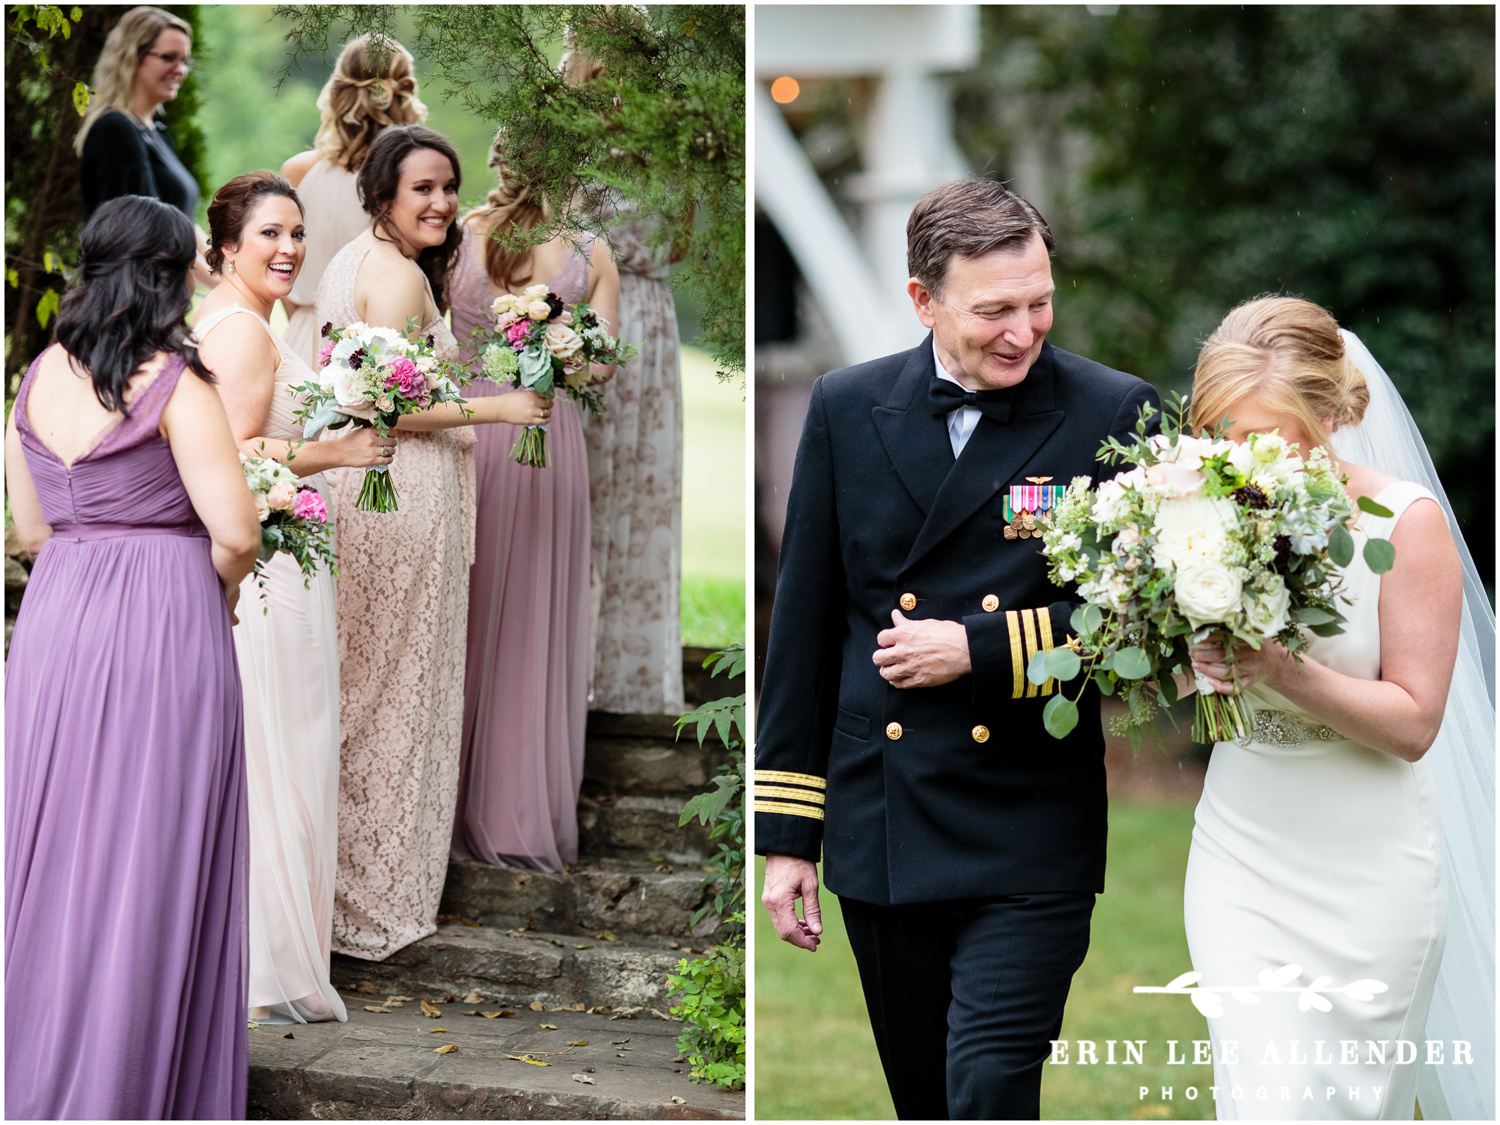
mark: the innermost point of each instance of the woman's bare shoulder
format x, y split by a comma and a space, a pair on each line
296, 167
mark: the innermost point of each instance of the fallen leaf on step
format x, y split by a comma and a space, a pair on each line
548, 1026
537, 1006
471, 925
664, 868
377, 1008
608, 936
599, 1009
450, 998
618, 1042
583, 947
447, 1050
364, 986
528, 1059
583, 1078
289, 1035
563, 1008
473, 997
436, 1030
431, 1011
578, 1042
253, 1025
398, 999
588, 1070
578, 1007
678, 1101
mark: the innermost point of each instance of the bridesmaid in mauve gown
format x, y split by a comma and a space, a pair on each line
125, 816
526, 678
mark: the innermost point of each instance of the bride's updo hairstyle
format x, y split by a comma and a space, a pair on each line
509, 209
230, 210
131, 298
379, 180
1288, 353
370, 89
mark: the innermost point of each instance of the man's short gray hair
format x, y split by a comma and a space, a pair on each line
967, 219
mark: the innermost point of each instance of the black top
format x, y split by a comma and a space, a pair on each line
122, 156
947, 792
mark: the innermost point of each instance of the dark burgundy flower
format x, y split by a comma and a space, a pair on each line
1283, 545
327, 328
431, 341
1251, 497
555, 304
357, 360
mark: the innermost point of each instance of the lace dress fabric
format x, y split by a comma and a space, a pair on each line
635, 490
1312, 850
526, 687
287, 645
403, 596
335, 218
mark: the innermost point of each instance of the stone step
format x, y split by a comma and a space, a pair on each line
519, 967
384, 1066
630, 827
621, 896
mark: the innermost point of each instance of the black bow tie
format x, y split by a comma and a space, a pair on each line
944, 397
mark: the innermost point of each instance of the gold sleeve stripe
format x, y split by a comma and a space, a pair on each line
789, 794
791, 778
790, 810
1018, 669
1026, 623
1044, 626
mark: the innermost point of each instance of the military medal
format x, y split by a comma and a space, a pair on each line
1025, 507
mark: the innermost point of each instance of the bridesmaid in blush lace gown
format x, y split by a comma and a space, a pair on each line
125, 833
526, 680
403, 588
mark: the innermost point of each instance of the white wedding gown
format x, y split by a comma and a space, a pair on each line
287, 646
1312, 850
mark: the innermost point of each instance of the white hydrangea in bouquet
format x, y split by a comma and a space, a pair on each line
371, 376
293, 519
1202, 536
540, 344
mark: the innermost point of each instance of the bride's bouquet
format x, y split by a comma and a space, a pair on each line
541, 345
371, 376
293, 519
1203, 536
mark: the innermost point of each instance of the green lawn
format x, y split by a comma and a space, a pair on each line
815, 1057
713, 505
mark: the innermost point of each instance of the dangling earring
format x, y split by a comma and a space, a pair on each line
229, 267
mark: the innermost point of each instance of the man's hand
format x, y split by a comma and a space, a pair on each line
922, 653
789, 878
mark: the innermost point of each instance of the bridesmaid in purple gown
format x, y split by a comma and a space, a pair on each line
526, 680
125, 817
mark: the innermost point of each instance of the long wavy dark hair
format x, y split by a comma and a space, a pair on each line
377, 184
131, 298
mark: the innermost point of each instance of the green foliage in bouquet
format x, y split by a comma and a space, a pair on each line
711, 989
1202, 536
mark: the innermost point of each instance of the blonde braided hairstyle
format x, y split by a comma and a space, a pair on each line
360, 99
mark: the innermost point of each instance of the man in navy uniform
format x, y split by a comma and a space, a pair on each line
898, 734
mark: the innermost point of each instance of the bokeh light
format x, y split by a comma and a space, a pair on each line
785, 90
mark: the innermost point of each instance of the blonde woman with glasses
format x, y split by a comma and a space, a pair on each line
123, 149
372, 86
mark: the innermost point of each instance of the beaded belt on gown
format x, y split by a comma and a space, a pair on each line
1282, 728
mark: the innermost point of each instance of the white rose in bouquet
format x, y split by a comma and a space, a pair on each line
1194, 528
1266, 606
1174, 479
503, 304
348, 389
262, 507
539, 310
563, 342
1207, 592
535, 292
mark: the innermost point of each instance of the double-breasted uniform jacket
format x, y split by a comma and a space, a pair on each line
949, 792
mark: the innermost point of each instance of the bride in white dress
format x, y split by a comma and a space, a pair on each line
1343, 840
286, 644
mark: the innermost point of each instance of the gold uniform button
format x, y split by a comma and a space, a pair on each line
990, 603
893, 731
908, 602
981, 733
